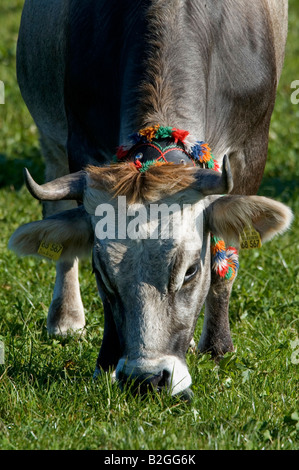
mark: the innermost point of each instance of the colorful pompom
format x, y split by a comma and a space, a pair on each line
179, 135
163, 133
225, 260
149, 132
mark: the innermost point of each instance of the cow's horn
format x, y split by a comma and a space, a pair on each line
66, 187
210, 182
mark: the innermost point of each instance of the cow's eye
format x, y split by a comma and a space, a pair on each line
190, 273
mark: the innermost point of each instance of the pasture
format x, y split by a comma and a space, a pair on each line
47, 397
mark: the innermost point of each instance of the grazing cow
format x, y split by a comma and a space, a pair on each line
164, 82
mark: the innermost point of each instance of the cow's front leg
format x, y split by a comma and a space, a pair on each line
66, 313
216, 336
110, 352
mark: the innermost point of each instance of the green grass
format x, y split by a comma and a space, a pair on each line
47, 397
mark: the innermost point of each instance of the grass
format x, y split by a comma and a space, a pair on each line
47, 397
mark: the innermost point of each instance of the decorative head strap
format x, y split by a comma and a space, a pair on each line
198, 151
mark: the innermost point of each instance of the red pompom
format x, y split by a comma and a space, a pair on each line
179, 135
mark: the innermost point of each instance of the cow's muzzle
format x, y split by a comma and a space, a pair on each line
144, 382
169, 374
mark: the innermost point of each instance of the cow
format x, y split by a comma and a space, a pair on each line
161, 85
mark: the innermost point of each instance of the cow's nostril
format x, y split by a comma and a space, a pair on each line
154, 380
164, 380
145, 382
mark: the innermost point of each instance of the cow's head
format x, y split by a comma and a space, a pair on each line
153, 277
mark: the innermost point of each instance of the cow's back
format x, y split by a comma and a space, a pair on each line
81, 66
77, 67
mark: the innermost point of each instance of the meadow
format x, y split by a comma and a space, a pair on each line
47, 397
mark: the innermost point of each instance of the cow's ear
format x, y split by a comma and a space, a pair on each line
69, 232
227, 217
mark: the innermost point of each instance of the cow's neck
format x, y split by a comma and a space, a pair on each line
170, 92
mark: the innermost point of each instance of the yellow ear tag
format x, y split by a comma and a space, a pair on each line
50, 250
250, 239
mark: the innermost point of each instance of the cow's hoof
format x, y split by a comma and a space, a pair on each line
65, 319
217, 349
66, 330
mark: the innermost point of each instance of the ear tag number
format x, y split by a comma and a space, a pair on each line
250, 239
50, 250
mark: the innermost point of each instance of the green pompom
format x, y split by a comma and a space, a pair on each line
163, 133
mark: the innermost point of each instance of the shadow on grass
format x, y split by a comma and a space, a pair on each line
279, 188
11, 169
